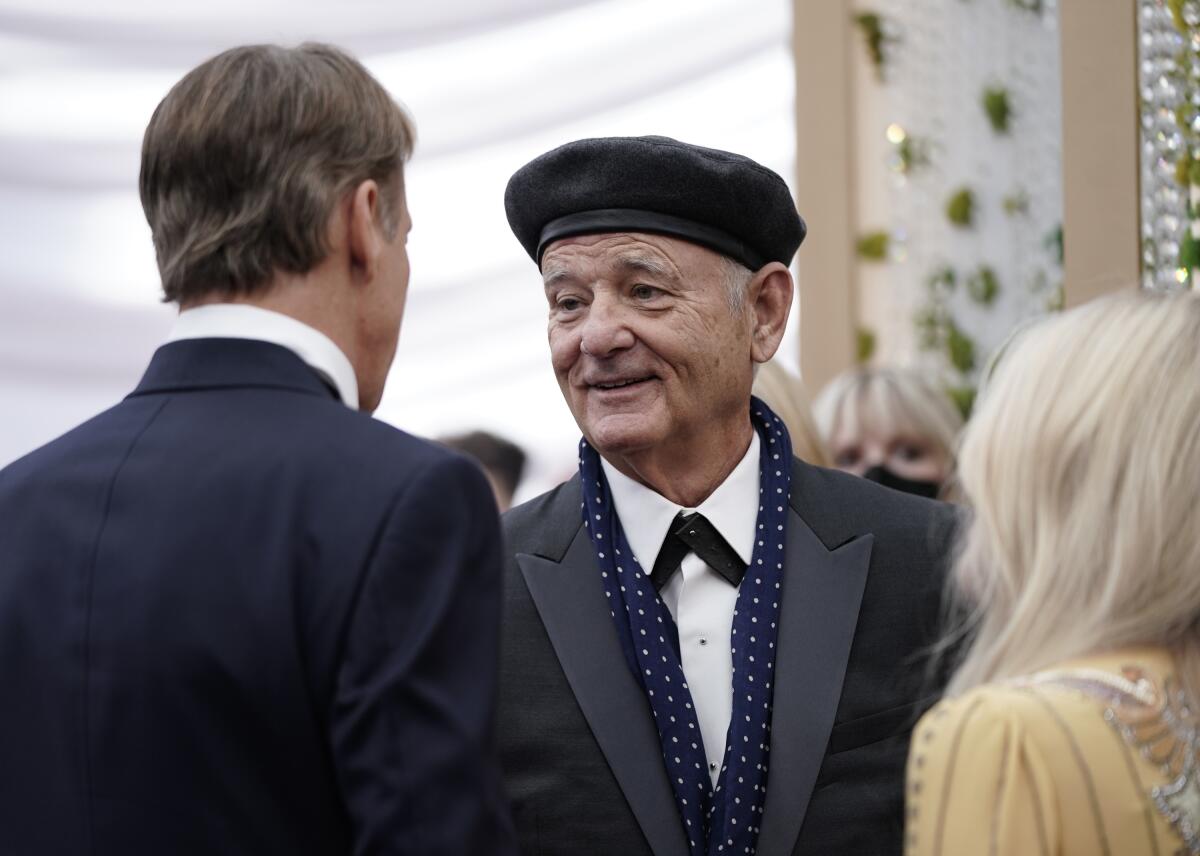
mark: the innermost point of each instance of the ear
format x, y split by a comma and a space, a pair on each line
365, 237
769, 296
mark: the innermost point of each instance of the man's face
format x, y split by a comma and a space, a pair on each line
385, 310
644, 344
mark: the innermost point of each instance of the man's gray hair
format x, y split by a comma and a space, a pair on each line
737, 277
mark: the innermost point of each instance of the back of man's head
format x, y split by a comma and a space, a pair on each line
246, 157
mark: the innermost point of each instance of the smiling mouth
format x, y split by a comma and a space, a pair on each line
620, 384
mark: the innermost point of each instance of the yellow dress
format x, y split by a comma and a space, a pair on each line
1096, 757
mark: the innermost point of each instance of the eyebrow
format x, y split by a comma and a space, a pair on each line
646, 264
551, 276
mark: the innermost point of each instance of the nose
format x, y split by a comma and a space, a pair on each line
605, 330
871, 457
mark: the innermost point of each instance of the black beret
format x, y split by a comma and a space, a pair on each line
717, 199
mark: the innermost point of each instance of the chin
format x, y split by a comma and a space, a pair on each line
623, 435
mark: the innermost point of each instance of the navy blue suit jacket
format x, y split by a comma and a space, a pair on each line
237, 617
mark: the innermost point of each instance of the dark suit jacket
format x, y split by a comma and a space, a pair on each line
238, 618
581, 757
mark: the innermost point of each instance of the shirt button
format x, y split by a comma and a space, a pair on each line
703, 640
712, 765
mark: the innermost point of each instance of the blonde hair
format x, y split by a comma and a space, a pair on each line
784, 393
1083, 466
890, 401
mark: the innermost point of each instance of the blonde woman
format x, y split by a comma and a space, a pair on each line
784, 393
891, 426
1071, 722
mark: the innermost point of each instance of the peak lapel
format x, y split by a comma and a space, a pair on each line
570, 600
822, 591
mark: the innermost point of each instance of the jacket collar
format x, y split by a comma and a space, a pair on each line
198, 364
245, 321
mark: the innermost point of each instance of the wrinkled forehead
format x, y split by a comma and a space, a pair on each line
612, 253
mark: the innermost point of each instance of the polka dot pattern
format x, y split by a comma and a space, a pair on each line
725, 819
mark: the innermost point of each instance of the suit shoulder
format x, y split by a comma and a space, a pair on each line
112, 424
871, 500
840, 507
368, 448
349, 435
308, 434
546, 524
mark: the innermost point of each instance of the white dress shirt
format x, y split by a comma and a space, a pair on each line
699, 599
240, 321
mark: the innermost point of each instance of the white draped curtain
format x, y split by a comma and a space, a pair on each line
490, 84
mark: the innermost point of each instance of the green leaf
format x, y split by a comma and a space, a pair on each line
1176, 7
960, 348
963, 398
998, 107
1016, 203
1057, 299
871, 25
913, 153
1189, 251
1183, 169
960, 208
864, 344
942, 279
1054, 243
983, 286
929, 329
873, 246
1034, 6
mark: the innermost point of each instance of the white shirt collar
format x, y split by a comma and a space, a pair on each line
646, 515
239, 321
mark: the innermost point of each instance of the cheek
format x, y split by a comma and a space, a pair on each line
715, 350
928, 467
564, 347
669, 343
396, 308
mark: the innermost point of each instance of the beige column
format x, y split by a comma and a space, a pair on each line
1101, 205
825, 188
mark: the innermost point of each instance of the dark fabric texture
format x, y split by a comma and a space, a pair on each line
566, 797
717, 199
238, 618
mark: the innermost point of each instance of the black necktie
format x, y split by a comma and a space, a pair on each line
692, 533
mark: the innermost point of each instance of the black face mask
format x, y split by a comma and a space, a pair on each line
887, 478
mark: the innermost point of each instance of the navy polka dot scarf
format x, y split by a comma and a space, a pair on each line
725, 819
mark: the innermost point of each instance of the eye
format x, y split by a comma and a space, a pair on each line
847, 457
645, 292
910, 452
568, 303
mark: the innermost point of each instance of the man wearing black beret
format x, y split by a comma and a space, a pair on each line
709, 646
